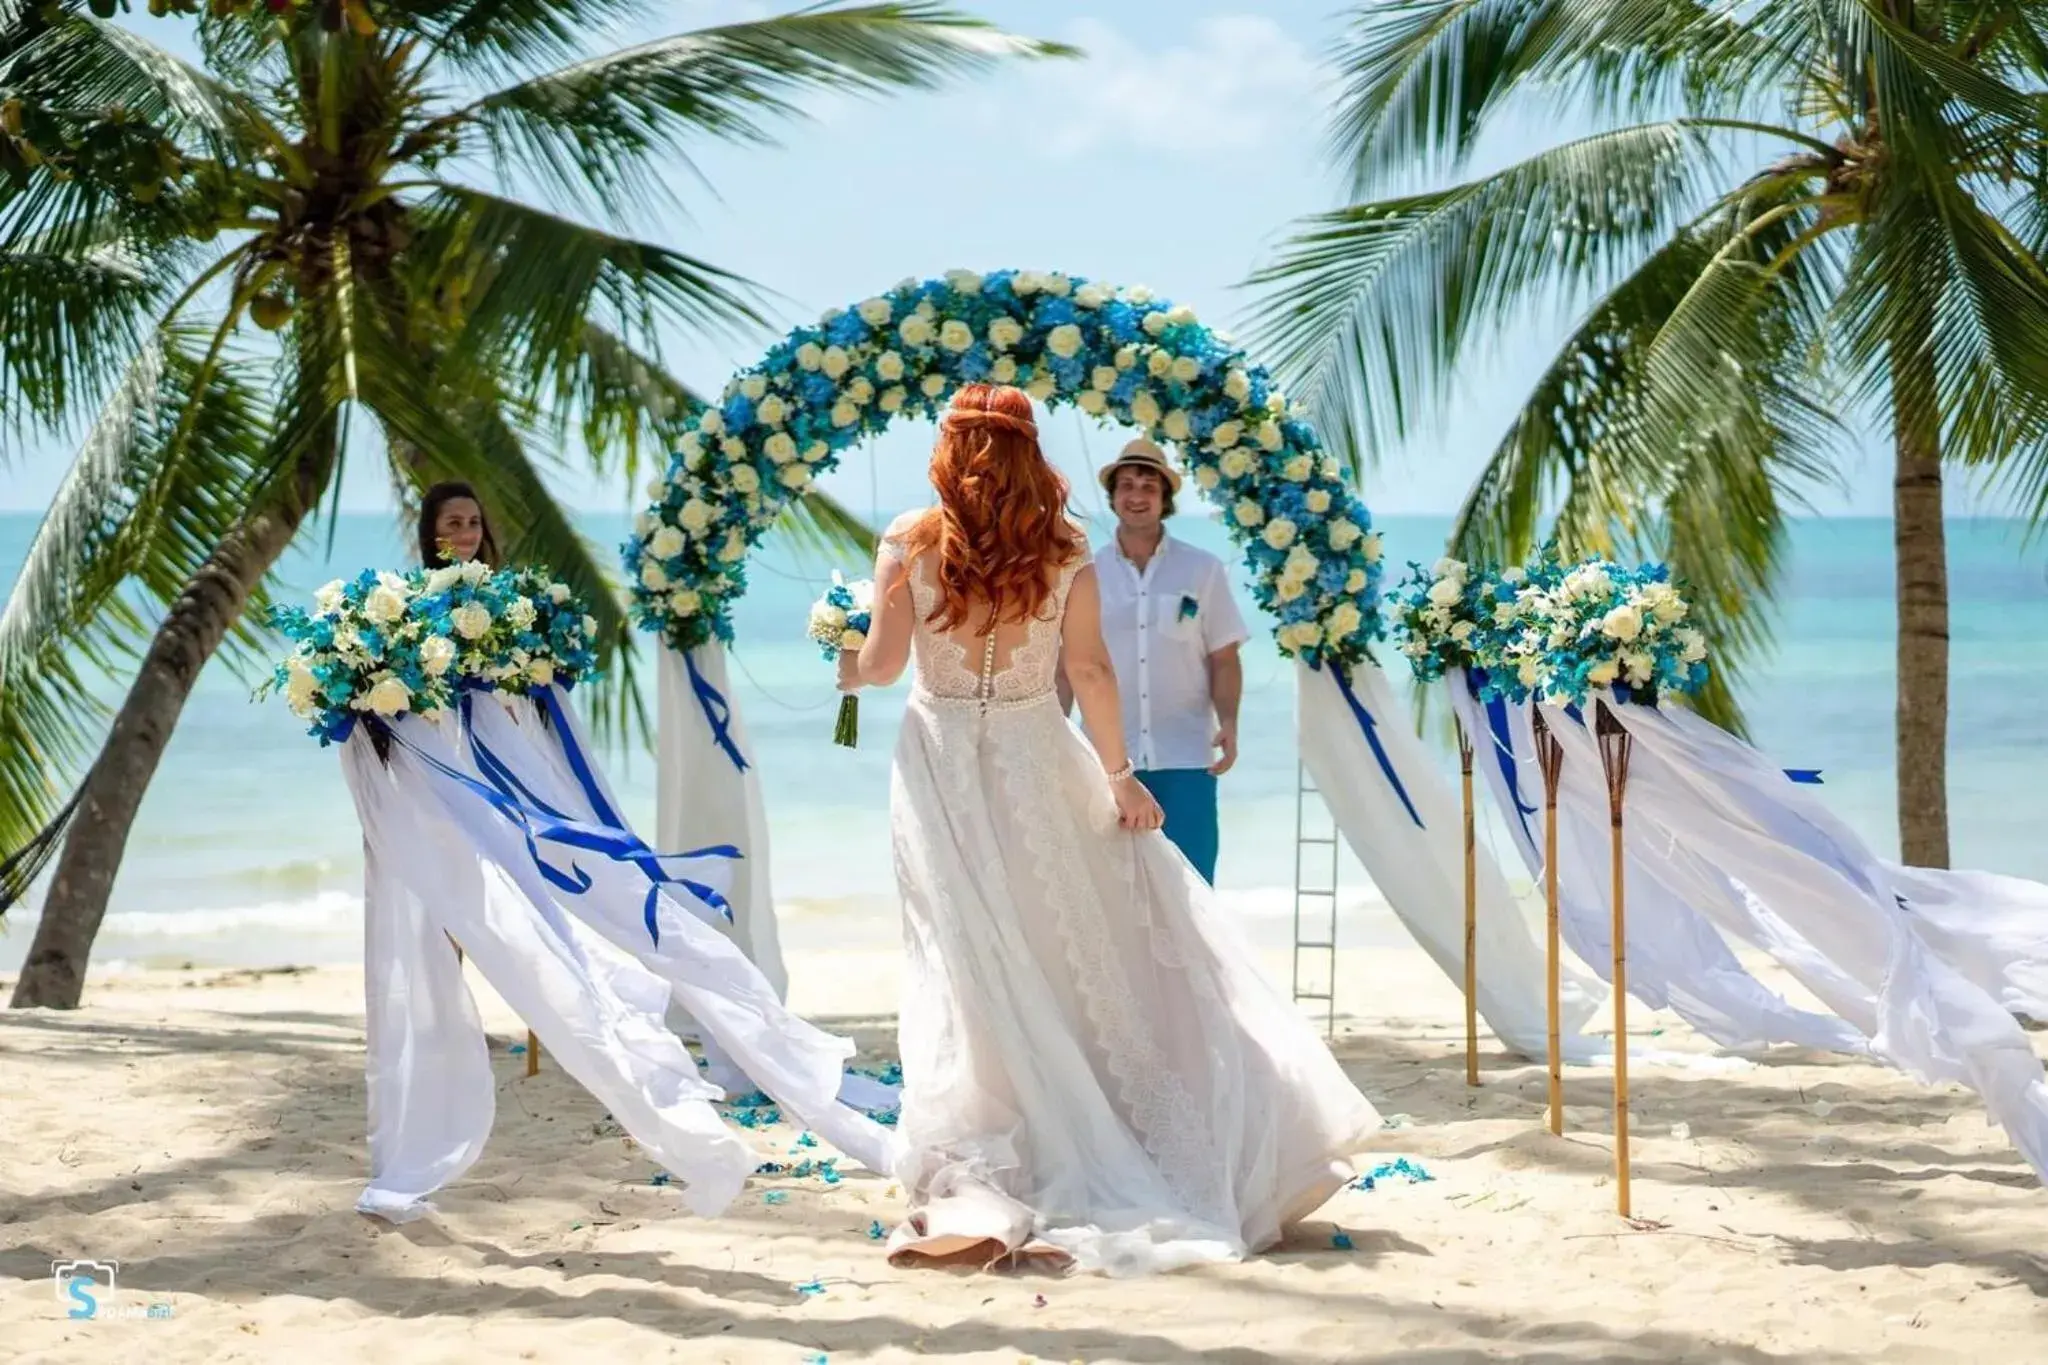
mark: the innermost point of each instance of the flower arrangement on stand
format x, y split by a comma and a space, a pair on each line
387, 644
1118, 355
1601, 627
1558, 631
839, 622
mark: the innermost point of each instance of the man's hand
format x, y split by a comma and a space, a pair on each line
1225, 745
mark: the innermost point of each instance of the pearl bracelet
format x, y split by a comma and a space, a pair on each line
1128, 770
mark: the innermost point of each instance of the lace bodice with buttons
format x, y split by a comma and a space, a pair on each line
1012, 666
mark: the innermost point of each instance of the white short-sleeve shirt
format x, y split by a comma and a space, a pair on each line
1161, 625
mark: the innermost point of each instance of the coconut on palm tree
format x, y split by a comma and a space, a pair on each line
1797, 219
300, 250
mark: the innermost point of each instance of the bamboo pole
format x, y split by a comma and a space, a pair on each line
532, 1043
1550, 758
1471, 912
1615, 743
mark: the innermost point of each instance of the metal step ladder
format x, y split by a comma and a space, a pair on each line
1315, 899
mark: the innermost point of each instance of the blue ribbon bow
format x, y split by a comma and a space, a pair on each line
1370, 727
717, 711
1503, 746
608, 836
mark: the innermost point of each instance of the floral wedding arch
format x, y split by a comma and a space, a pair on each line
1122, 356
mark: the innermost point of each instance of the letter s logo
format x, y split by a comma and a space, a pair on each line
80, 1288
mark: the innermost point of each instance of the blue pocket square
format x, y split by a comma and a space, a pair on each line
1188, 607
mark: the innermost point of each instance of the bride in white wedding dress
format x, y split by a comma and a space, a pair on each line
1094, 1070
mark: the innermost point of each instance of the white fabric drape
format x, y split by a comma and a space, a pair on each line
1731, 828
1991, 928
702, 797
1421, 871
739, 1012
1677, 959
444, 863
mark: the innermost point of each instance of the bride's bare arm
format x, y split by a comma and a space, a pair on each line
886, 654
1090, 675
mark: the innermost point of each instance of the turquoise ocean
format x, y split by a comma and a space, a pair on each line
247, 850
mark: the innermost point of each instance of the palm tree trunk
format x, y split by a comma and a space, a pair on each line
1920, 548
54, 973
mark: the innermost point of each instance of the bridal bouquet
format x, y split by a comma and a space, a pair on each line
391, 643
839, 622
1598, 625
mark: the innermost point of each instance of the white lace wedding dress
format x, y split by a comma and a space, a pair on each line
1093, 1065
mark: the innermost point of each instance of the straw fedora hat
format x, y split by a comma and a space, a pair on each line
1140, 454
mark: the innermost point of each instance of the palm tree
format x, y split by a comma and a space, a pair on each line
308, 180
1800, 217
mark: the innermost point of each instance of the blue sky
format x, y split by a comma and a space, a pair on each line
1174, 155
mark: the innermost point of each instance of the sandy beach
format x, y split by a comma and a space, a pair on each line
205, 1130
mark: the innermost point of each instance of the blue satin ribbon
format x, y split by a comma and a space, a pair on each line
1370, 726
1805, 777
575, 881
717, 711
1504, 755
609, 837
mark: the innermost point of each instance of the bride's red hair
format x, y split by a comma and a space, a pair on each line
1001, 525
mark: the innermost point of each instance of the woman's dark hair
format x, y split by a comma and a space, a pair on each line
431, 503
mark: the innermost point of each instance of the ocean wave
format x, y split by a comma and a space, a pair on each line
327, 912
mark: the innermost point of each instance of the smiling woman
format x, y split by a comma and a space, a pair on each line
453, 527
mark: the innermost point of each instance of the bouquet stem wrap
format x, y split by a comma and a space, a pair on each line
839, 621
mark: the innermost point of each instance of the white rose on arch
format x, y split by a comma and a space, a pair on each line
667, 542
1176, 425
810, 355
955, 335
1004, 370
1145, 409
916, 330
875, 312
1005, 332
1092, 402
696, 516
1064, 341
772, 411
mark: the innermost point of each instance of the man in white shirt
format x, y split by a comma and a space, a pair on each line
1173, 633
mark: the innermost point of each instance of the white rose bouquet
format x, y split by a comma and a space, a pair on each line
840, 621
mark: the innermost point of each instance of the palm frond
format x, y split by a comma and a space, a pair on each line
70, 319
528, 286
147, 497
1368, 309
628, 404
1420, 77
591, 127
1591, 453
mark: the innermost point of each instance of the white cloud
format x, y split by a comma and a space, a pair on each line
1237, 82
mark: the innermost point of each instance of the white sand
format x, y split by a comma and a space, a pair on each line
206, 1130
